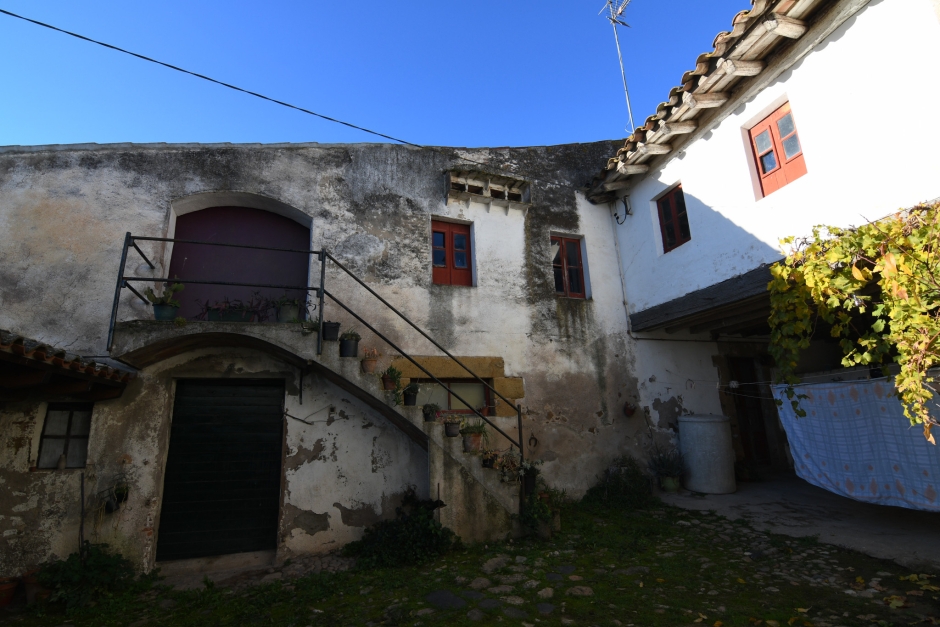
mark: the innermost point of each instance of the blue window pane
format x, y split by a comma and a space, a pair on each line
460, 242
440, 258
768, 162
460, 259
438, 240
791, 146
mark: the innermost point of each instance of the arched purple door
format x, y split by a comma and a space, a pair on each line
237, 225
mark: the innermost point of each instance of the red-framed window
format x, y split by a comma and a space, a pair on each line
568, 267
673, 219
778, 154
451, 256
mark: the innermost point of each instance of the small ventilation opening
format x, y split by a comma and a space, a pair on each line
515, 196
458, 187
475, 189
498, 193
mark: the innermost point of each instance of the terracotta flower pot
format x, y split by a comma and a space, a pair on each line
7, 589
472, 442
35, 591
388, 383
368, 365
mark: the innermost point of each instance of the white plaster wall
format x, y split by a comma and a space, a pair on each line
861, 101
677, 377
349, 458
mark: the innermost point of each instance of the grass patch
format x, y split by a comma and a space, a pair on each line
655, 565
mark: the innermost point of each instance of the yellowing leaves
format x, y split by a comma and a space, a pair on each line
826, 279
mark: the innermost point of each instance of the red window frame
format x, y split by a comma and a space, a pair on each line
566, 261
673, 219
770, 150
446, 254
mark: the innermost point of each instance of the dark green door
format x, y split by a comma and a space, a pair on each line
223, 471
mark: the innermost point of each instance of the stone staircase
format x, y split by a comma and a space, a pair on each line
479, 507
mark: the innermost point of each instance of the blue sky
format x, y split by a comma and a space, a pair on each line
483, 73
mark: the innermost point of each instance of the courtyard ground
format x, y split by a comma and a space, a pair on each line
609, 566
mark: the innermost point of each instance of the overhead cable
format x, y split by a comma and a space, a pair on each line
269, 99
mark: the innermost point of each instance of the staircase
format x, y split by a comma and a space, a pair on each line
479, 507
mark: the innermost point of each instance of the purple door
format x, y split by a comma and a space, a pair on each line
238, 225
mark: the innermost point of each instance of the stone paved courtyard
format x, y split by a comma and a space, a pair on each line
662, 566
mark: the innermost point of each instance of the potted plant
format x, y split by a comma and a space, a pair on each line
410, 394
288, 309
370, 357
226, 310
430, 411
489, 457
529, 472
667, 465
165, 306
391, 378
309, 328
474, 435
331, 331
452, 425
348, 343
508, 465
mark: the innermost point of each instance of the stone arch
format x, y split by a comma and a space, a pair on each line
237, 218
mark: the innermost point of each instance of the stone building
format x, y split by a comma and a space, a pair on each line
305, 450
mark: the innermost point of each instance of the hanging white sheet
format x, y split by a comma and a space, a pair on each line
855, 441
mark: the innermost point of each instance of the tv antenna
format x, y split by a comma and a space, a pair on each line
615, 14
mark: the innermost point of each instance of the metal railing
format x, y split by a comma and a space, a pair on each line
123, 281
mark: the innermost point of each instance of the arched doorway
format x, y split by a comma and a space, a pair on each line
238, 225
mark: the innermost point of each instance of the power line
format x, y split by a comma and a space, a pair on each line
274, 100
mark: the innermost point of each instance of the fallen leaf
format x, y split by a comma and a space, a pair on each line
792, 620
718, 623
803, 610
741, 580
773, 623
860, 579
894, 601
660, 580
915, 593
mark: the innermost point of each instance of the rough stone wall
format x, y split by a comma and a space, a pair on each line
65, 210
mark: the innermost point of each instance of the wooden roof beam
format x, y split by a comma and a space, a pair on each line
653, 149
677, 128
628, 169
784, 26
737, 67
731, 321
704, 101
612, 187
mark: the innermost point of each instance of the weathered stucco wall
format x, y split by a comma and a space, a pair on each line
65, 210
344, 472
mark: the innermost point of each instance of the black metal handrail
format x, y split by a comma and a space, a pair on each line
322, 292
